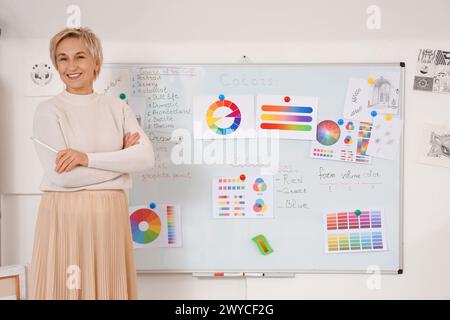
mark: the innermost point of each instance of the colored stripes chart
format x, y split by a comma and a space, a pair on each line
294, 117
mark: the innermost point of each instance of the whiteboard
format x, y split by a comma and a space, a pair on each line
162, 95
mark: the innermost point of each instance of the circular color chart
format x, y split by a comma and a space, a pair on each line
259, 206
145, 226
328, 132
348, 140
216, 123
259, 185
349, 126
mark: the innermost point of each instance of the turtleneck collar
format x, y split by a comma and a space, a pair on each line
78, 98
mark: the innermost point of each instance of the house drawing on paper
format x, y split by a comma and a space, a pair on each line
381, 94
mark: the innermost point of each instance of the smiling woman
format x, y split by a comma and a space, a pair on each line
83, 247
78, 59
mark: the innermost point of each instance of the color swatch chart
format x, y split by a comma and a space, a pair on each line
155, 225
342, 140
295, 117
349, 232
171, 230
243, 196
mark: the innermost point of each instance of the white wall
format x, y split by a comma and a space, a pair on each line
289, 31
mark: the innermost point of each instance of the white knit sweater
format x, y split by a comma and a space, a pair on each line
94, 124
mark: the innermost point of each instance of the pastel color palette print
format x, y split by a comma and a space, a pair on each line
346, 231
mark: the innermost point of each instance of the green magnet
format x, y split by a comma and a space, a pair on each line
357, 212
122, 96
262, 244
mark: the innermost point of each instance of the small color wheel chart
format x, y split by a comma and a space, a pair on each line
223, 117
259, 185
350, 126
328, 132
259, 206
348, 140
145, 226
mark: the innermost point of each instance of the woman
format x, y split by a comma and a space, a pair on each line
83, 247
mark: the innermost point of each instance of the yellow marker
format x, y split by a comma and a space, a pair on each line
389, 117
370, 80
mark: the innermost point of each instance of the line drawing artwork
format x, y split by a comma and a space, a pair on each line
440, 145
435, 145
433, 71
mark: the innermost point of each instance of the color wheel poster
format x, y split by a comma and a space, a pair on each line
223, 117
157, 225
242, 196
294, 117
342, 140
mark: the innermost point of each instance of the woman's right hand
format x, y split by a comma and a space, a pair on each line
130, 140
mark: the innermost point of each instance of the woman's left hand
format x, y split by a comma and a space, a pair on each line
68, 159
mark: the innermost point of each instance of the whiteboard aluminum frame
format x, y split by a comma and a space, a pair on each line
402, 149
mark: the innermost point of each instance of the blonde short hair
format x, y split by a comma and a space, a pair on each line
90, 40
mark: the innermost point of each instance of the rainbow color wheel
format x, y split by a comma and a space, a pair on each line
328, 132
350, 126
145, 226
259, 206
259, 185
226, 124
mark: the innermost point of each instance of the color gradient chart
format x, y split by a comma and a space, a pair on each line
295, 117
242, 196
348, 232
342, 140
363, 142
223, 117
171, 231
156, 225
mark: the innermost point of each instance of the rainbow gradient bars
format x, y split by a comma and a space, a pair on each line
294, 117
348, 232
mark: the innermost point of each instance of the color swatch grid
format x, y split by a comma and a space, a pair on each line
348, 232
231, 202
323, 153
244, 197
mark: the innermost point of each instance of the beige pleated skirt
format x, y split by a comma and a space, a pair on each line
83, 247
